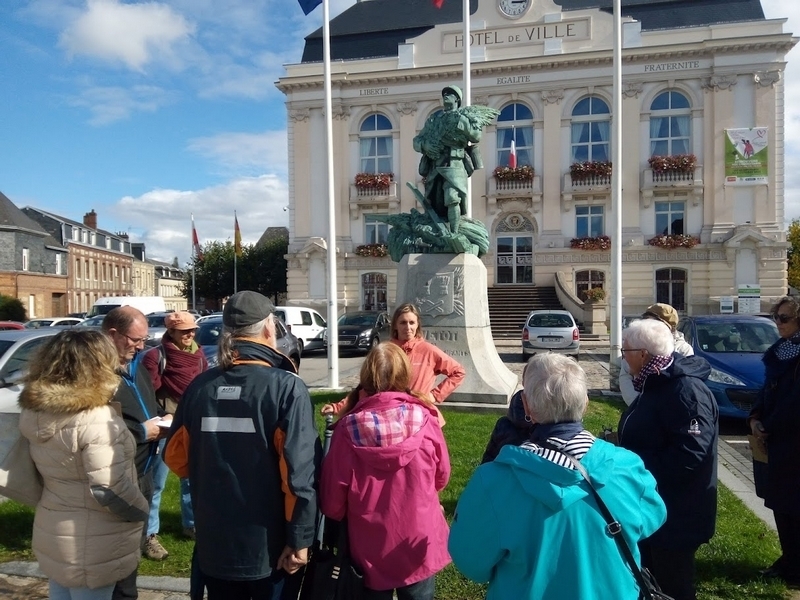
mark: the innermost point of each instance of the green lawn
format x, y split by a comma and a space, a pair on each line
727, 567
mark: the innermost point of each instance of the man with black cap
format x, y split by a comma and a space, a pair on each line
669, 316
244, 434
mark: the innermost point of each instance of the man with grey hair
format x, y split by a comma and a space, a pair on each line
527, 521
244, 435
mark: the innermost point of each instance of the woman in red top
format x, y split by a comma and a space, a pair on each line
427, 361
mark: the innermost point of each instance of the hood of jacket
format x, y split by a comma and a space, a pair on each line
246, 349
554, 486
685, 366
409, 345
383, 408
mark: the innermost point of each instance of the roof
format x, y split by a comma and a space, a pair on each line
375, 28
13, 217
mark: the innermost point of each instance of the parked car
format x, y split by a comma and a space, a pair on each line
94, 322
210, 329
362, 330
210, 315
306, 324
10, 325
155, 327
16, 348
52, 322
733, 345
550, 331
628, 319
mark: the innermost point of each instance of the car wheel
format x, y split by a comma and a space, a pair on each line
299, 347
374, 343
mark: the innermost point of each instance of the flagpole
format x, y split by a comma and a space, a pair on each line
467, 89
616, 203
194, 268
235, 255
333, 306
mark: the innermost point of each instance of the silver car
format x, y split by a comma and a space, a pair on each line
16, 348
209, 331
550, 331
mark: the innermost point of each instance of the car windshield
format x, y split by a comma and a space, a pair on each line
550, 321
155, 321
357, 320
208, 333
737, 336
92, 321
38, 324
4, 346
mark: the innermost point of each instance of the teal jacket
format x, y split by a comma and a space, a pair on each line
532, 529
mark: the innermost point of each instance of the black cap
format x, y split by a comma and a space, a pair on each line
246, 308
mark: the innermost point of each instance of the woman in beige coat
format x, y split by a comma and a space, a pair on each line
88, 523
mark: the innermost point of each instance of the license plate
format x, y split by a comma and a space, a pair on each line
550, 339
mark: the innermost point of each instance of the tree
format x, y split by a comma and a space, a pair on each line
793, 237
260, 268
11, 309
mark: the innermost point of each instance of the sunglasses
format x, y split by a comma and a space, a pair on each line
782, 318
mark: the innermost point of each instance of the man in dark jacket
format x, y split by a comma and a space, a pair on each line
127, 328
245, 436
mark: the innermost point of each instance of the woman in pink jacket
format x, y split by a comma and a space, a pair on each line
387, 462
427, 361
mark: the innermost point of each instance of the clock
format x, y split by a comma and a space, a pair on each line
513, 9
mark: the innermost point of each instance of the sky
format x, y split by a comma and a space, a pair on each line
150, 111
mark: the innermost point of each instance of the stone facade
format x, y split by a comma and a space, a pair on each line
168, 284
683, 88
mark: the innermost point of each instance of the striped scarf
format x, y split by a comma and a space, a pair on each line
654, 366
578, 446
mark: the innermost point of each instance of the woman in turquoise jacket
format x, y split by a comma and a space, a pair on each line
528, 524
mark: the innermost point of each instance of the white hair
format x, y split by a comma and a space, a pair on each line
229, 334
555, 388
651, 335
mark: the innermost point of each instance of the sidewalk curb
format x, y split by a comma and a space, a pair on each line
143, 582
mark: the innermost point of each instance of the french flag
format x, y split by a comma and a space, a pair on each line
512, 157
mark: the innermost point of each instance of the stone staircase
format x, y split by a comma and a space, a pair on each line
509, 305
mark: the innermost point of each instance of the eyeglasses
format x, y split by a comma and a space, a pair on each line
624, 350
137, 341
782, 318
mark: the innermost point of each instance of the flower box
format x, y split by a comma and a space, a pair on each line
674, 241
602, 242
523, 173
376, 250
595, 294
590, 169
677, 163
373, 181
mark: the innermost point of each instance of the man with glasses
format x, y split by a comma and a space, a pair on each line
127, 328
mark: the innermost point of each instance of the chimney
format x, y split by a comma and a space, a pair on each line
90, 219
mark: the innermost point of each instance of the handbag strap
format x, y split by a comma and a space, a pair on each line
613, 526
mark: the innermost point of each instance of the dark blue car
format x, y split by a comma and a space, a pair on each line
734, 346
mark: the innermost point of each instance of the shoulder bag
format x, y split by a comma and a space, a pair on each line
19, 479
648, 587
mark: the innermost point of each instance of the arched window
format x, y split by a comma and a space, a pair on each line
587, 280
670, 124
515, 123
375, 143
671, 287
591, 129
373, 291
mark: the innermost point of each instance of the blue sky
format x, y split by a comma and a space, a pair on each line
147, 112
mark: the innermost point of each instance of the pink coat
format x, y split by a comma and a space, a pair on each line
387, 462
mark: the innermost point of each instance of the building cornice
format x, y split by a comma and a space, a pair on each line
706, 49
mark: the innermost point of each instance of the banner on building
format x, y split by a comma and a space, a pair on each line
746, 156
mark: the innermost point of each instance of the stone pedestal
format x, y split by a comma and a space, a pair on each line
450, 292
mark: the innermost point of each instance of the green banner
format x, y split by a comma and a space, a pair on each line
746, 156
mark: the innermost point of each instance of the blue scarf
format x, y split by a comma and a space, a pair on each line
563, 431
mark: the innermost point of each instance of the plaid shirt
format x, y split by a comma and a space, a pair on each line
385, 427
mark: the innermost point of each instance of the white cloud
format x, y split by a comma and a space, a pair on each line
133, 34
111, 104
262, 152
162, 218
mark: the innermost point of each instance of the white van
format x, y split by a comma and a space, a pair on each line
306, 324
146, 304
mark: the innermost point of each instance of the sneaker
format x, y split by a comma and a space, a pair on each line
153, 548
189, 532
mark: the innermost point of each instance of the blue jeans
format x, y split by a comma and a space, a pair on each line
160, 472
422, 590
59, 592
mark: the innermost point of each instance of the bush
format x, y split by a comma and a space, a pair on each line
11, 309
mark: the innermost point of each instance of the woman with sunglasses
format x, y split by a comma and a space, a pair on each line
775, 422
673, 426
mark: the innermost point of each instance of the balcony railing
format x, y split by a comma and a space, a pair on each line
362, 197
513, 187
587, 183
655, 179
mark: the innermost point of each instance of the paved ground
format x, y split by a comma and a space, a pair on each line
22, 581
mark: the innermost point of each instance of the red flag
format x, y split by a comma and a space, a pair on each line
196, 243
438, 3
237, 236
512, 157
